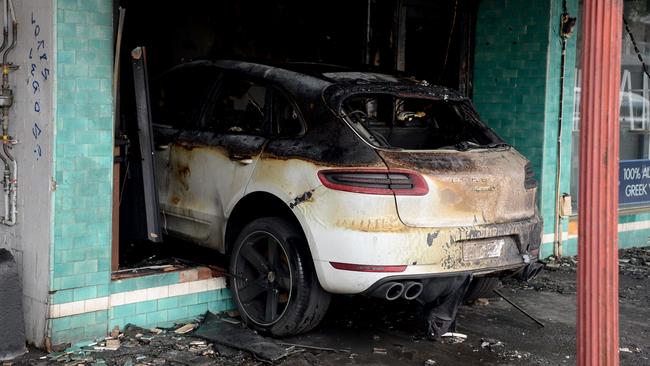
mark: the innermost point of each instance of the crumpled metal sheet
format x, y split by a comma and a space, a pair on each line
441, 298
238, 336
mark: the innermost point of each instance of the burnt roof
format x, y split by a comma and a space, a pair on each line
318, 76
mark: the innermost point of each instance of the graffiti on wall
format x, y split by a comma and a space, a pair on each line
39, 75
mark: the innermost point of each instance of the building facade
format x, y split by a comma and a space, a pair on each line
63, 121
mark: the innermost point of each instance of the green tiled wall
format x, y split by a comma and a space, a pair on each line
165, 312
83, 160
155, 313
83, 166
78, 327
517, 82
139, 283
510, 72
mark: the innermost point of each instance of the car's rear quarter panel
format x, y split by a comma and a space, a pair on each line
366, 229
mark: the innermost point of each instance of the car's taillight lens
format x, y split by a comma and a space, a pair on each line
375, 181
529, 179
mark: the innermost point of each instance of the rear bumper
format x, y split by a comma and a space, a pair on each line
425, 252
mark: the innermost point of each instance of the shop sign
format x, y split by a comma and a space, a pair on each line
634, 182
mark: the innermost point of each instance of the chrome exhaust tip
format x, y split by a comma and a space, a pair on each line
389, 291
412, 290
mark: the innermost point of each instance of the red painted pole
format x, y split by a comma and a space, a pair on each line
597, 319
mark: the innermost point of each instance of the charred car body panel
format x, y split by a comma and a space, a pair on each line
478, 214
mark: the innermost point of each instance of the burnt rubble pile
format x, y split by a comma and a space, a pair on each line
635, 262
137, 346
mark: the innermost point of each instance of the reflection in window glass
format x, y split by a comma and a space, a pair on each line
634, 118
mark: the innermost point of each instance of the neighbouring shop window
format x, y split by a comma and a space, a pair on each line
634, 119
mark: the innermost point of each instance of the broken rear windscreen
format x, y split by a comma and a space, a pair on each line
417, 123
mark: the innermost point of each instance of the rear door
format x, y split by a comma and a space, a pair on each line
211, 163
178, 102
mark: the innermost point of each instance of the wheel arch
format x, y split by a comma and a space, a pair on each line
253, 206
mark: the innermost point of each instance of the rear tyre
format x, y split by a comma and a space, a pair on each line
481, 287
274, 283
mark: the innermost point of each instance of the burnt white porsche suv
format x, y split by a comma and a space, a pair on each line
317, 179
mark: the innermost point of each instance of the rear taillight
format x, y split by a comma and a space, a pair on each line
375, 181
529, 179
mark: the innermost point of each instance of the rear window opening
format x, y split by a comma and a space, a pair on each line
416, 123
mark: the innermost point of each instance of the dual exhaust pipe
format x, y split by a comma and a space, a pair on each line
393, 290
410, 290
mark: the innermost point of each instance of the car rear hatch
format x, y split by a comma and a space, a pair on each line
473, 176
466, 188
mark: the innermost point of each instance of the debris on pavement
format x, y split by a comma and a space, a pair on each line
141, 346
133, 331
631, 349
492, 345
518, 308
185, 328
635, 262
318, 348
216, 330
358, 330
514, 355
453, 337
115, 332
482, 301
110, 345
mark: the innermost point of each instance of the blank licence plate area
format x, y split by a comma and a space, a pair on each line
475, 250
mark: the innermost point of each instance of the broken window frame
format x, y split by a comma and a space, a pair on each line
466, 109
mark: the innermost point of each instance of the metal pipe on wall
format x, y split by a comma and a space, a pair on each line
10, 174
557, 224
597, 303
566, 28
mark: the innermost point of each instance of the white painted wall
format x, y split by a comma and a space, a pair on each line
30, 239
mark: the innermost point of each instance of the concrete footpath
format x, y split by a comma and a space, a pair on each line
364, 331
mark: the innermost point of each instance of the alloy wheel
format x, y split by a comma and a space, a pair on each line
263, 278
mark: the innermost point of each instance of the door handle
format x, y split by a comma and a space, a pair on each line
245, 161
242, 159
161, 147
